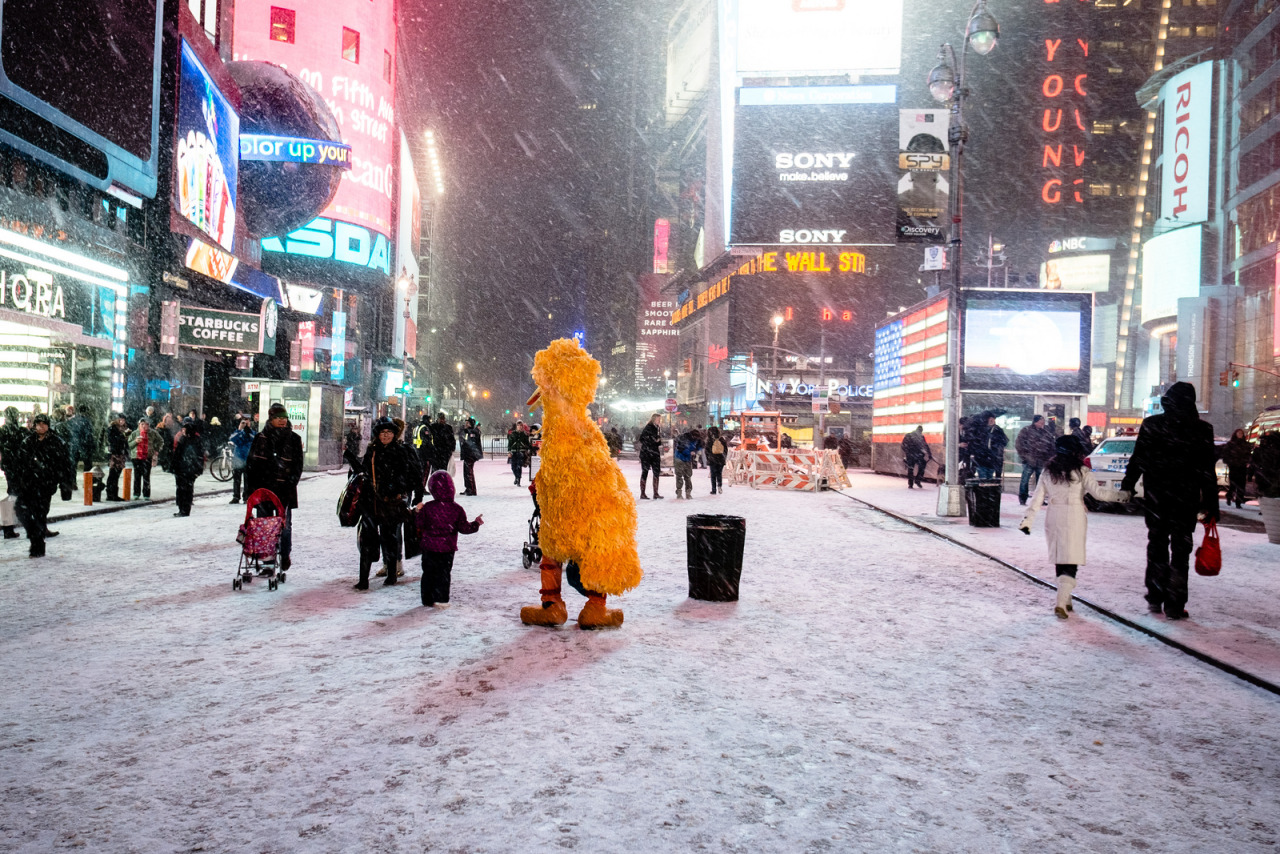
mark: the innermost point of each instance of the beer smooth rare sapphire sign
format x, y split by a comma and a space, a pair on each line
814, 174
923, 164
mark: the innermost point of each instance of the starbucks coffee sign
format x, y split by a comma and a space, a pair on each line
215, 329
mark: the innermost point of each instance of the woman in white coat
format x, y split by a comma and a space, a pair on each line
1066, 523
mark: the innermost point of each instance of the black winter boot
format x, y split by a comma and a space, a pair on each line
10, 533
365, 566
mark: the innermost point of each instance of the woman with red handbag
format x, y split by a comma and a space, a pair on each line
1066, 523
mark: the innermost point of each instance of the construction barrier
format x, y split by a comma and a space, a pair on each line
807, 471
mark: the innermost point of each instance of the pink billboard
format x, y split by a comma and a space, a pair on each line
345, 49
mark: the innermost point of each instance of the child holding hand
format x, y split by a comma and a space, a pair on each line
439, 523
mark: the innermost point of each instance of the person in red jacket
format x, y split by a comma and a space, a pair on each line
439, 523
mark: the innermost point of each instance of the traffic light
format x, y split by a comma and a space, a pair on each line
1223, 378
407, 388
1235, 379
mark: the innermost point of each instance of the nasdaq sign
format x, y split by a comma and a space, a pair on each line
333, 239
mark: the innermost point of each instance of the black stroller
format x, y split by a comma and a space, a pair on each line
531, 553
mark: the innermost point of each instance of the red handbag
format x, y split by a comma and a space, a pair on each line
1209, 555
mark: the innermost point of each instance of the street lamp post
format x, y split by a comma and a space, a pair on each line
461, 387
404, 395
773, 382
946, 84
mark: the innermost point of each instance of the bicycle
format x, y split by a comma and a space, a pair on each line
223, 464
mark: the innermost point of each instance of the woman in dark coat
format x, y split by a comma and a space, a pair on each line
187, 463
717, 451
392, 478
1236, 454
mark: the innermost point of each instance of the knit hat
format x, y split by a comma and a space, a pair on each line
383, 424
1069, 444
277, 410
40, 418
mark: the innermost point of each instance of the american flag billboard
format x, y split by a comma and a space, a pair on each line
910, 351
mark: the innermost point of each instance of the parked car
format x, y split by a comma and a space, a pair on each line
1108, 462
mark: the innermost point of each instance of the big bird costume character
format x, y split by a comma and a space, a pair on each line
588, 512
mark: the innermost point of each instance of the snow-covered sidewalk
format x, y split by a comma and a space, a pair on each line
1235, 616
875, 689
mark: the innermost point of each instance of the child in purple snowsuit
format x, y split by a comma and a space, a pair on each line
440, 521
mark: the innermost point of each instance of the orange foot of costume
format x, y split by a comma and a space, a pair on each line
596, 616
552, 611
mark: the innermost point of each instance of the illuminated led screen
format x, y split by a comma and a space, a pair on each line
345, 49
1170, 271
1076, 273
1026, 342
812, 37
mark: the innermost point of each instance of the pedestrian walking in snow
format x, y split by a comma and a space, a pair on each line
1066, 522
12, 435
117, 453
717, 452
241, 443
470, 450
651, 454
518, 449
1237, 454
687, 446
141, 448
188, 464
1174, 455
350, 450
443, 443
986, 445
440, 521
393, 478
1035, 447
275, 464
916, 454
43, 467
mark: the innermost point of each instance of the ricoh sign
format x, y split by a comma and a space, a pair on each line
1188, 100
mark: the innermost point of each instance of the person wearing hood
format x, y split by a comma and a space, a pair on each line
188, 464
1237, 454
470, 450
916, 454
1066, 522
393, 476
117, 453
275, 464
11, 436
1174, 455
44, 465
1079, 433
241, 443
986, 445
440, 521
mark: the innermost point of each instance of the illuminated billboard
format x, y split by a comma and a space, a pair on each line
816, 37
1184, 185
345, 50
80, 86
1026, 341
408, 235
207, 156
923, 161
1170, 271
815, 174
1076, 273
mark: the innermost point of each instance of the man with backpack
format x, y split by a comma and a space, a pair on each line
717, 451
688, 444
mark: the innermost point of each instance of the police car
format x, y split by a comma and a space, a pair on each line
1109, 461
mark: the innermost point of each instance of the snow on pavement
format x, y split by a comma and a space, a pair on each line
1235, 616
875, 689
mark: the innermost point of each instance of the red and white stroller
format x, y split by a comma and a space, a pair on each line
259, 538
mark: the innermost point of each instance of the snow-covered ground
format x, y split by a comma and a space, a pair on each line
876, 689
1235, 616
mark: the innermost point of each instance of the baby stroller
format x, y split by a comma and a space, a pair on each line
532, 553
259, 538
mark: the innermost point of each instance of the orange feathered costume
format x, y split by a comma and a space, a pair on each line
588, 511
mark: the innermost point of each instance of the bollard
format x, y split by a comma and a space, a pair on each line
88, 489
126, 478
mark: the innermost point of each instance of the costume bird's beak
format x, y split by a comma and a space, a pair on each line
537, 394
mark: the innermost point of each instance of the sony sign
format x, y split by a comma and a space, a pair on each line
1188, 99
811, 235
807, 160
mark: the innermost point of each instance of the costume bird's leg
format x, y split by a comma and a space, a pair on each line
596, 616
552, 611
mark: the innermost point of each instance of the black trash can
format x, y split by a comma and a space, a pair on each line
982, 499
715, 556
